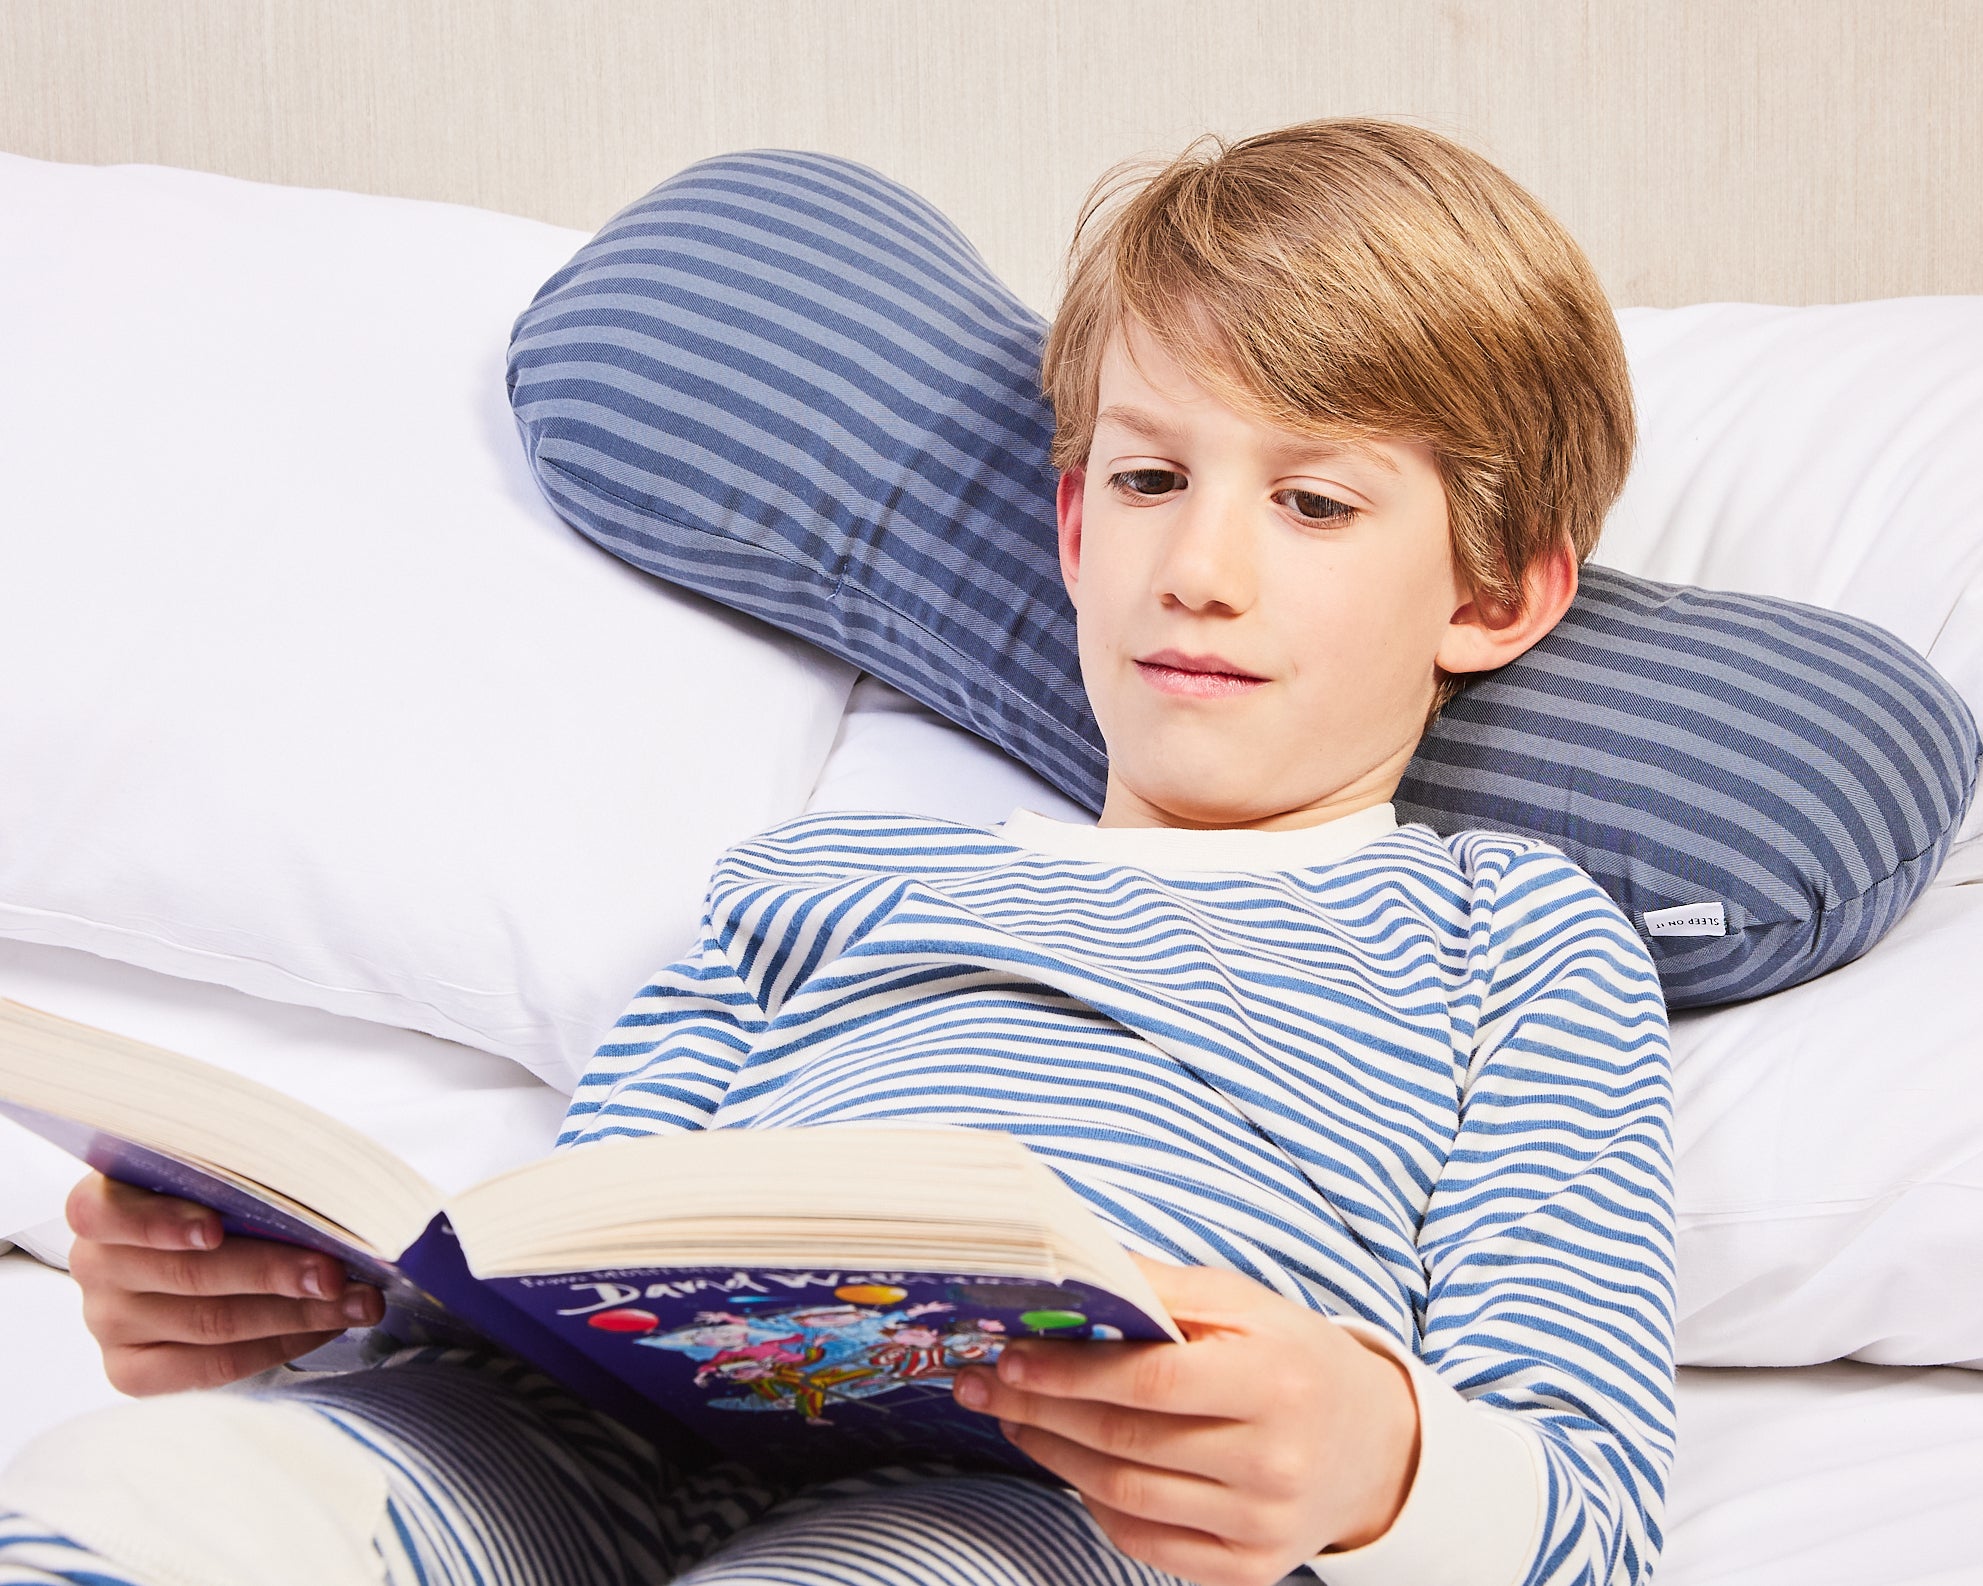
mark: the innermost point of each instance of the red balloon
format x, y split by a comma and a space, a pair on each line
624, 1321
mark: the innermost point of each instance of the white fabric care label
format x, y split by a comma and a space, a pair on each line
1689, 919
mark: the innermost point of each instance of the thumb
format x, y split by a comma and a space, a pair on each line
1203, 1300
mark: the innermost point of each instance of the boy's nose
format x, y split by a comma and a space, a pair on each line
1208, 559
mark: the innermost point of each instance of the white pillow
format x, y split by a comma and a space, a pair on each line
892, 754
303, 688
1830, 1154
1829, 1138
1831, 454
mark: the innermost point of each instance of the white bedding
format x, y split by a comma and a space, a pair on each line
1844, 1474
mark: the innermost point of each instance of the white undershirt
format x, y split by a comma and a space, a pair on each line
1173, 850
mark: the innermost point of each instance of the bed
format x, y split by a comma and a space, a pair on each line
266, 806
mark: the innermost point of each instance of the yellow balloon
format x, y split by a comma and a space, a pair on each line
870, 1293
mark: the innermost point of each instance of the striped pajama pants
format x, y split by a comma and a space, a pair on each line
444, 1468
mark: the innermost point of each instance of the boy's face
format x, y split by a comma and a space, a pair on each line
1260, 612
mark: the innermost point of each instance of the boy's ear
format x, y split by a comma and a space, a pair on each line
1485, 634
1067, 516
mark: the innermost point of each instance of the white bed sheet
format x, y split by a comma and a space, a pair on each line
1844, 1473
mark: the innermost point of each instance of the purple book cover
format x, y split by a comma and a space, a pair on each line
822, 1371
808, 1373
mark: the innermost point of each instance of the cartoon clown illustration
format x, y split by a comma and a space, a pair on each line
781, 1383
805, 1357
791, 1350
911, 1350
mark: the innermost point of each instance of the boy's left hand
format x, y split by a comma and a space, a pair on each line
1229, 1459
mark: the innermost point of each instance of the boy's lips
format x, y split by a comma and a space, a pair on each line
1196, 676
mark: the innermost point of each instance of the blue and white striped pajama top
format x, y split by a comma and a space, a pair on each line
1420, 1084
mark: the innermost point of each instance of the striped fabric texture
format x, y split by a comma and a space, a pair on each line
1425, 1085
787, 382
495, 1476
1805, 770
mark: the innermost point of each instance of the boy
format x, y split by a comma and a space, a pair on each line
1339, 412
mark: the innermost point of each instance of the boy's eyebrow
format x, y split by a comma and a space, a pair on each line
1136, 421
1153, 428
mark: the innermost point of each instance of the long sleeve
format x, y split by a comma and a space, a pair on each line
1545, 1370
672, 1055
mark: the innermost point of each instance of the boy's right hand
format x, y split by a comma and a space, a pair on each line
174, 1304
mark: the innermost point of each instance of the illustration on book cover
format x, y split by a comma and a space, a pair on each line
813, 1345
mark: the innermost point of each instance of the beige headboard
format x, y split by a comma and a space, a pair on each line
1789, 151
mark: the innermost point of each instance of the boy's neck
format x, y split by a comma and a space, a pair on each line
1122, 807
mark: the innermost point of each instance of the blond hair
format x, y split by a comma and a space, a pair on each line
1359, 278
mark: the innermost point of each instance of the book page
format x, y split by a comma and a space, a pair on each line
916, 1199
212, 1119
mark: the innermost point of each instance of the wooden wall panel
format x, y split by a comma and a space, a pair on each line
1785, 151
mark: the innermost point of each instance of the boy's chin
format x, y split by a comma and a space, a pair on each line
1217, 798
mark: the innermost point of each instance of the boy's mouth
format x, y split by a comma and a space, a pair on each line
1196, 676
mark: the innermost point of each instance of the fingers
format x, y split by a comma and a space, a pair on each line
144, 1369
237, 1266
1193, 1379
1226, 1459
1147, 1492
122, 1320
1193, 1555
1210, 1297
1200, 1445
122, 1214
175, 1305
1231, 1453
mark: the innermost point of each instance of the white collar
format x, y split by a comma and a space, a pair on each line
1171, 849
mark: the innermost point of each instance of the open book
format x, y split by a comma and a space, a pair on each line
800, 1298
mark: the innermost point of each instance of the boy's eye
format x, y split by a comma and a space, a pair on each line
1147, 481
1316, 507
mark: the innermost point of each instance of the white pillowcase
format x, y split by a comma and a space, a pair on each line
1831, 454
892, 754
1829, 1138
303, 687
1830, 1145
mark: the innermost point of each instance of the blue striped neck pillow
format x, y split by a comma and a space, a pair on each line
788, 383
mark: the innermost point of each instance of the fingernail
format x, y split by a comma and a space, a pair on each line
314, 1285
972, 1392
1012, 1367
357, 1306
200, 1233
